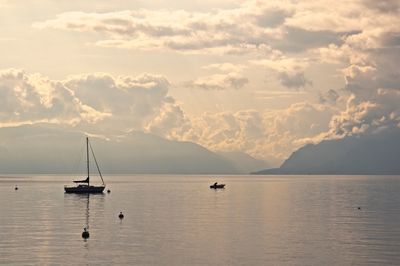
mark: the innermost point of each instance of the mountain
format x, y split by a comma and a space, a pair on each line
375, 154
244, 162
41, 149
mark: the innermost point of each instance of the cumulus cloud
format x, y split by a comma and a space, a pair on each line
102, 104
368, 116
131, 101
271, 134
171, 122
373, 83
95, 102
31, 98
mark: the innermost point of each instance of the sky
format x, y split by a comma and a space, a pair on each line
261, 77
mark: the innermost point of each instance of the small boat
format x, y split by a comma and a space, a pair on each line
84, 186
216, 185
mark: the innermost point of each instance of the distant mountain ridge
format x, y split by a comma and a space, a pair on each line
244, 162
47, 149
375, 154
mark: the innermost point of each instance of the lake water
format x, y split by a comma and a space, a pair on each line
178, 220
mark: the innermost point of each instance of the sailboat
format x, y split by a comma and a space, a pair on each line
84, 186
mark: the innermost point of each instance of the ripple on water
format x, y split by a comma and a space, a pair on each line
178, 220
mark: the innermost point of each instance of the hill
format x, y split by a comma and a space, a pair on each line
45, 149
375, 154
244, 162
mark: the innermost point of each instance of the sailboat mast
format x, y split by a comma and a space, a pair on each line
87, 158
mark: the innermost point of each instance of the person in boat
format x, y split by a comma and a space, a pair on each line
215, 184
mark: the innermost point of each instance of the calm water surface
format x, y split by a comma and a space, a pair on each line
178, 220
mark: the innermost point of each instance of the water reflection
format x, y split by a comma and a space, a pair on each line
180, 221
79, 205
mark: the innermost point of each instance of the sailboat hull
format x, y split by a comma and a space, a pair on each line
82, 189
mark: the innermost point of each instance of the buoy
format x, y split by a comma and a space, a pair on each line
121, 216
85, 233
108, 191
16, 188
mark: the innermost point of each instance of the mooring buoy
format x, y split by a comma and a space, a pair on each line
85, 233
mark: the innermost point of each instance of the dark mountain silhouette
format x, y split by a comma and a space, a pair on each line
375, 154
41, 149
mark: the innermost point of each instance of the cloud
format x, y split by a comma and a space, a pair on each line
270, 18
329, 97
391, 6
170, 122
228, 76
370, 60
289, 71
30, 98
219, 82
250, 27
373, 83
294, 80
298, 39
241, 130
283, 63
131, 101
270, 134
99, 103
120, 95
270, 95
334, 54
368, 116
144, 29
226, 67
